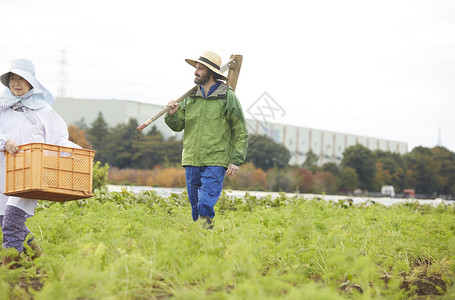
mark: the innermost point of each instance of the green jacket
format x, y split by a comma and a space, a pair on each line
215, 130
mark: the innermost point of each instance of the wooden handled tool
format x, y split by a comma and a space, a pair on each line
234, 64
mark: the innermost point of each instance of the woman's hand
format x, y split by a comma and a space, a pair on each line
11, 147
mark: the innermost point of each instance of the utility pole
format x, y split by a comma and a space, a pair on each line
439, 137
63, 64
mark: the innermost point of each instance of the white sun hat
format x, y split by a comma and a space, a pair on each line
34, 99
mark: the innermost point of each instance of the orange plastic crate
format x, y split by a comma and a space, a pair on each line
49, 172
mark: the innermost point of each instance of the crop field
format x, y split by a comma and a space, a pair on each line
124, 245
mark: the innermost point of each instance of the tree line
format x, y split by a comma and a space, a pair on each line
429, 171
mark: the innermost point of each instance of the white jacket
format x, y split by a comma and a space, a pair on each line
14, 125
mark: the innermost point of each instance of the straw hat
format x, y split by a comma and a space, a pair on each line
22, 67
211, 60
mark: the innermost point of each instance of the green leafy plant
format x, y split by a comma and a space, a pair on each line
125, 245
100, 176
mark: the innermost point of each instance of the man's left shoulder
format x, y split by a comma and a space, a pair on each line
227, 90
222, 92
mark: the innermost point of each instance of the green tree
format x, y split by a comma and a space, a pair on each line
82, 124
446, 160
390, 170
153, 150
98, 134
348, 179
154, 131
265, 153
120, 144
363, 161
425, 169
332, 168
311, 161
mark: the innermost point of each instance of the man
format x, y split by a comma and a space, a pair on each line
215, 139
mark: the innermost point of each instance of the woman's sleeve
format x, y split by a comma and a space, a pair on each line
3, 139
56, 129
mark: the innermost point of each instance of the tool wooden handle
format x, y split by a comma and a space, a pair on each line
233, 65
165, 109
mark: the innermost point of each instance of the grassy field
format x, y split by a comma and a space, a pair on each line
124, 245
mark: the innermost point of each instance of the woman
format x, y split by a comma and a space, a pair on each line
25, 117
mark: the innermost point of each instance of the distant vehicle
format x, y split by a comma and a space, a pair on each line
409, 193
388, 190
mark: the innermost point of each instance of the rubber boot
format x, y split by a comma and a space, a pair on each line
207, 222
34, 251
10, 261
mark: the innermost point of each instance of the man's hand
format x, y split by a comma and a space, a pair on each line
232, 170
173, 107
11, 147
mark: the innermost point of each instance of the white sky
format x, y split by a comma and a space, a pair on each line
384, 69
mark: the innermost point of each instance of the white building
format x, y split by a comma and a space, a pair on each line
328, 145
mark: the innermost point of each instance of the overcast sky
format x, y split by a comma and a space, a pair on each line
383, 69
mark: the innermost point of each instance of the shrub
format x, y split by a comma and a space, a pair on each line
100, 176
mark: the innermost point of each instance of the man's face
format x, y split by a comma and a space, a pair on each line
18, 85
201, 74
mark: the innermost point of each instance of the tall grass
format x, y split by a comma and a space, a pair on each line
142, 246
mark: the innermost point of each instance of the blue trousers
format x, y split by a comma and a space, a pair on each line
13, 228
204, 185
